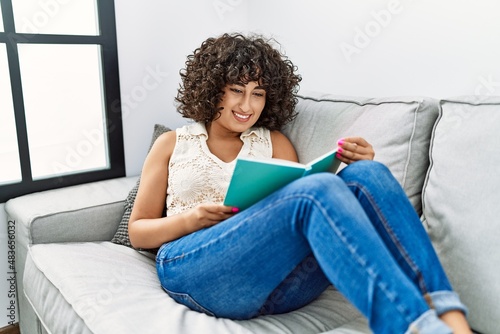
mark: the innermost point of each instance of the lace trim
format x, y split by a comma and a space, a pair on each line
195, 176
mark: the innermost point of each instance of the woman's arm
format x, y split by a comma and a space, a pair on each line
282, 147
351, 149
147, 228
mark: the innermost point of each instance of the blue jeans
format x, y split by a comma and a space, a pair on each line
355, 230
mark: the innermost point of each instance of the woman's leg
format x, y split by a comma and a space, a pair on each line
303, 285
242, 268
231, 269
399, 226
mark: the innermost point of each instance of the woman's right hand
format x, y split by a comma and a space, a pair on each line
208, 214
351, 149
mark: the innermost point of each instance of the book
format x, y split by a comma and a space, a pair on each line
255, 178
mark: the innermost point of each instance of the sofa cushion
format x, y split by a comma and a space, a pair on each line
85, 212
399, 129
460, 203
101, 287
121, 236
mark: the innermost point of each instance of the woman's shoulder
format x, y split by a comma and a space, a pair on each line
167, 137
164, 144
282, 146
278, 137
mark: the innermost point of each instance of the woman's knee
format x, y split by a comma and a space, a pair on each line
326, 188
319, 182
365, 170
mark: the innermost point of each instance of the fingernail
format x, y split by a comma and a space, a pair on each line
340, 142
338, 155
235, 210
340, 150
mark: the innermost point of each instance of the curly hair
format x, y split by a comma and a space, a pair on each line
234, 58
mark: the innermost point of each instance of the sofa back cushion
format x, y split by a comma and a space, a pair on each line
461, 203
398, 128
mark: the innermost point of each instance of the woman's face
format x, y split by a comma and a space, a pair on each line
241, 105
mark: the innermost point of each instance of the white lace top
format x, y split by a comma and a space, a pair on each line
196, 175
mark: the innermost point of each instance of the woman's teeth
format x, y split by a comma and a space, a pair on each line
241, 115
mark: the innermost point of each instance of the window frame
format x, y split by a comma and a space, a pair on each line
111, 92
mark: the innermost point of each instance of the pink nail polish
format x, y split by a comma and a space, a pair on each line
338, 156
340, 142
340, 150
235, 210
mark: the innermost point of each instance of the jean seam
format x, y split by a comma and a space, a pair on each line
232, 229
393, 236
354, 254
401, 309
190, 298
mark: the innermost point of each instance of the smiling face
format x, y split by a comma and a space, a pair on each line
241, 106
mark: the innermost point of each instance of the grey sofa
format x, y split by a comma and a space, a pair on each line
445, 154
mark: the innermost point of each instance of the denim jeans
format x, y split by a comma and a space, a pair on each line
356, 230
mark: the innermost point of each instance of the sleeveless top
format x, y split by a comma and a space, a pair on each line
196, 175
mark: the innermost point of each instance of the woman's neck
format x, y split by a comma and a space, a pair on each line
225, 145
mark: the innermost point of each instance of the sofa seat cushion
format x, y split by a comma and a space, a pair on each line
102, 287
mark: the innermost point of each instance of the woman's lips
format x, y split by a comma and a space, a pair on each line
241, 117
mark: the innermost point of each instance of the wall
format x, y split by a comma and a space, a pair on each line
368, 48
389, 47
153, 42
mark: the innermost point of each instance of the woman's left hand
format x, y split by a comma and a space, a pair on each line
352, 149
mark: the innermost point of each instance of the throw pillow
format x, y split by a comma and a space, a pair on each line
121, 236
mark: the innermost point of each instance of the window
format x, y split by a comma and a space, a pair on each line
60, 116
1, 19
11, 168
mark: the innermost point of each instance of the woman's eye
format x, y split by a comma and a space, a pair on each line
258, 94
236, 90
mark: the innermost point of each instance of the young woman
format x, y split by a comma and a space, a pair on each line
355, 230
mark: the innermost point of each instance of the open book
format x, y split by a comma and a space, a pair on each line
253, 178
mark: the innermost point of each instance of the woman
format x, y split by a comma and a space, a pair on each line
355, 230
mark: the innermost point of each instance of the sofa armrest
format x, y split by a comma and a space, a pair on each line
87, 212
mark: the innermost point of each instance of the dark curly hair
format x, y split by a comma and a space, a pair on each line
233, 58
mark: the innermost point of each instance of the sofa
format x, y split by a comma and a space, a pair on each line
73, 276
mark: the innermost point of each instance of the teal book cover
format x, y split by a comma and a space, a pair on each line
253, 178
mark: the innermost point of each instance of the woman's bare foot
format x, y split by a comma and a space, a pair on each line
456, 321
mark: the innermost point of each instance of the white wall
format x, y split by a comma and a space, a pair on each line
368, 48
391, 47
156, 37
432, 48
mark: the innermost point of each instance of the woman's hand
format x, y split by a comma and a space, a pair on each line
352, 149
208, 214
